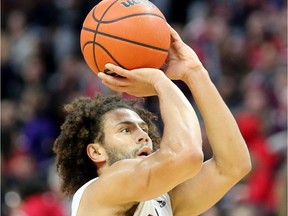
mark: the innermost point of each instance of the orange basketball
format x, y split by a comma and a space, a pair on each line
128, 33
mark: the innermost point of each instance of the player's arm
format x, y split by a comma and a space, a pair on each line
181, 143
231, 160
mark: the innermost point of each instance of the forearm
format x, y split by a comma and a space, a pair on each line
179, 118
227, 143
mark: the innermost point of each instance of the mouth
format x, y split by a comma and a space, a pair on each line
144, 152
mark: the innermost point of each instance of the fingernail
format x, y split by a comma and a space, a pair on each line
99, 75
106, 71
108, 64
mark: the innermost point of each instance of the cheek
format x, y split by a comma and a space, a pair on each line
116, 154
120, 143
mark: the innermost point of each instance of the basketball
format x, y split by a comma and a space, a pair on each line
129, 33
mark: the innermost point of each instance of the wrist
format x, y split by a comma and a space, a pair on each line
196, 75
161, 84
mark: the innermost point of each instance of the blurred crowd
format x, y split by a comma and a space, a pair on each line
242, 43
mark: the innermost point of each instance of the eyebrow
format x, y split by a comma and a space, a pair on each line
142, 123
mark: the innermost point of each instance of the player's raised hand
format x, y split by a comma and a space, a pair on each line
138, 82
181, 60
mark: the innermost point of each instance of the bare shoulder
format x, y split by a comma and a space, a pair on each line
103, 195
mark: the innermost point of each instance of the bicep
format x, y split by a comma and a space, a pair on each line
137, 180
199, 193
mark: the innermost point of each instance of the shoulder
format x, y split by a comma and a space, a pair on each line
78, 195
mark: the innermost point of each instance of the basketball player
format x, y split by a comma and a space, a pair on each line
113, 163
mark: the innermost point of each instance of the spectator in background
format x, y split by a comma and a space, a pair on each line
37, 200
260, 183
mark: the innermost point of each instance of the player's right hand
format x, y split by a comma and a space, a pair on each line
138, 82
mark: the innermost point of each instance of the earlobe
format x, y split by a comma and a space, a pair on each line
95, 153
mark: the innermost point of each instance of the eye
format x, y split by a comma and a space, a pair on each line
125, 130
145, 129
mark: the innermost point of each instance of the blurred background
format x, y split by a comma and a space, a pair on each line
242, 43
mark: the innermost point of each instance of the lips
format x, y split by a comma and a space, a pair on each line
144, 151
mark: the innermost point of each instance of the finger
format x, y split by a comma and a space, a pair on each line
113, 81
117, 69
174, 34
112, 87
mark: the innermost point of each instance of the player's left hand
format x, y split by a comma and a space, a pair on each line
137, 82
181, 60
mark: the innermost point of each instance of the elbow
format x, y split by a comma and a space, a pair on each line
246, 167
244, 164
188, 154
193, 160
195, 157
198, 162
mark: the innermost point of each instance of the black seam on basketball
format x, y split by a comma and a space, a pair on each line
96, 30
126, 17
108, 53
126, 40
95, 34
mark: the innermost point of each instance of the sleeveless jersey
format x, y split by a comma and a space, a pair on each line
160, 206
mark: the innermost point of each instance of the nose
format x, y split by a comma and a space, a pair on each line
142, 137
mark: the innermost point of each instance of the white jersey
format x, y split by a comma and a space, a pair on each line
160, 206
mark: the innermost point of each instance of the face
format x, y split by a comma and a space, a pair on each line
126, 136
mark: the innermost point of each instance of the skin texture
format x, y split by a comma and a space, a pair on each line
177, 167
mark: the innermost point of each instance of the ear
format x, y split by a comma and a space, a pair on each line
96, 153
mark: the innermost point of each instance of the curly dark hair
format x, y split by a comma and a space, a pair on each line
84, 125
